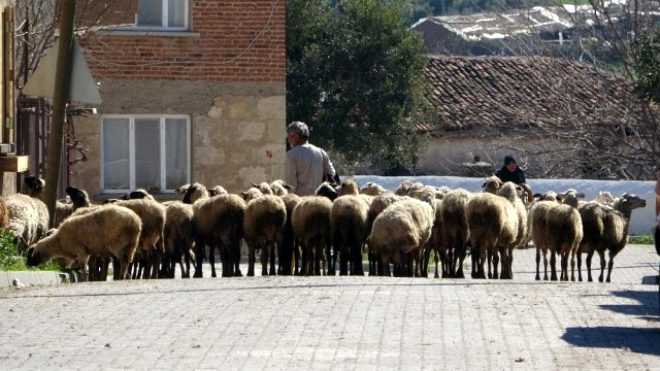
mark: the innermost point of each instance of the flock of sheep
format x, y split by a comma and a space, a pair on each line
314, 235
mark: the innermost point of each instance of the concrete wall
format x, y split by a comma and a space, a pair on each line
234, 127
446, 155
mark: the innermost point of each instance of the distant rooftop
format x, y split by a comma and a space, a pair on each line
486, 94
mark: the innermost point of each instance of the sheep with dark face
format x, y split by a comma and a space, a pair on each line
218, 223
192, 192
104, 231
263, 224
606, 229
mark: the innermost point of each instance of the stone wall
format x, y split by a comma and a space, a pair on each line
238, 129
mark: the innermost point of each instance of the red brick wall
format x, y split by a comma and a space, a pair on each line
239, 41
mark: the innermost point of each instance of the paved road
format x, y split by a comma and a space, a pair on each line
340, 323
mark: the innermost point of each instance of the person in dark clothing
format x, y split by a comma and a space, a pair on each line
510, 172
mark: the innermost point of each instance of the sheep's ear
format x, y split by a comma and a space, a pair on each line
484, 185
244, 194
287, 186
255, 185
537, 195
580, 195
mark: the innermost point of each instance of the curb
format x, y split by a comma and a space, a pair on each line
10, 279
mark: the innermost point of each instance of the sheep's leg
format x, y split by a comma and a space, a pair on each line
579, 263
460, 256
436, 259
601, 254
590, 255
495, 259
509, 262
474, 259
489, 258
273, 270
318, 251
553, 266
343, 261
251, 259
357, 260
610, 264
538, 262
264, 260
199, 258
573, 265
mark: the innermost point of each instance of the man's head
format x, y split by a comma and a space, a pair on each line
510, 163
297, 132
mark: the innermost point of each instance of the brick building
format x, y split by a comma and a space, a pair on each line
192, 90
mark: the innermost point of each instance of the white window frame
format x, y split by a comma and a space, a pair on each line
164, 19
131, 151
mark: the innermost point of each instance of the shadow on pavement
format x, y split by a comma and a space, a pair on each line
638, 340
647, 303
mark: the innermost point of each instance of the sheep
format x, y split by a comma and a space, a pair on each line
178, 234
217, 190
406, 187
349, 220
399, 233
151, 248
513, 193
193, 192
109, 230
492, 184
139, 193
279, 187
373, 189
263, 224
264, 187
436, 244
218, 223
311, 226
537, 229
288, 249
28, 220
563, 234
4, 214
606, 229
454, 231
378, 204
328, 190
251, 194
493, 224
348, 187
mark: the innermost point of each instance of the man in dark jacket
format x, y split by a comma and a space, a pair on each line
510, 172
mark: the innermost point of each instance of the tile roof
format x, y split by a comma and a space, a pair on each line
513, 93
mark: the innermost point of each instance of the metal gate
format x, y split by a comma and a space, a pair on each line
33, 126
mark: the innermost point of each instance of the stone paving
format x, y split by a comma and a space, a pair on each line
337, 323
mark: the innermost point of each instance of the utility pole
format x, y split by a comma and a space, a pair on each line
67, 12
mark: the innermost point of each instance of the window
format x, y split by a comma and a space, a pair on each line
163, 14
145, 151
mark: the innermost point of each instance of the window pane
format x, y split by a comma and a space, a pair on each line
176, 152
116, 164
176, 13
147, 153
150, 13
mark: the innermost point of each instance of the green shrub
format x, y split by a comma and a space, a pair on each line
11, 260
645, 239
